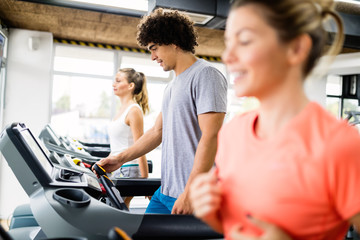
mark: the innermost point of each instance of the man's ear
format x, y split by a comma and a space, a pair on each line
299, 49
175, 46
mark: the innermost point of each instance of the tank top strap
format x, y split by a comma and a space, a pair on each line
125, 113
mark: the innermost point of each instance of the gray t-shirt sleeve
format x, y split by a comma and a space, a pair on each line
210, 91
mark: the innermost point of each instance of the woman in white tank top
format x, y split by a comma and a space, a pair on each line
128, 126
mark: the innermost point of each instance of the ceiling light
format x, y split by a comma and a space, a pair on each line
138, 5
349, 1
132, 8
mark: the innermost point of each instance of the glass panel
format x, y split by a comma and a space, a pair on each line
156, 92
81, 107
333, 105
351, 112
333, 85
145, 65
350, 105
84, 60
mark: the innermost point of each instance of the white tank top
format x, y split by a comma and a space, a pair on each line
120, 134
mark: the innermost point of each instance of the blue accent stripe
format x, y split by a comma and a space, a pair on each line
130, 165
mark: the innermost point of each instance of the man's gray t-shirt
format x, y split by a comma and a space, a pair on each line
199, 89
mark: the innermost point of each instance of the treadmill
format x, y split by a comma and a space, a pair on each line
89, 153
63, 146
94, 149
65, 202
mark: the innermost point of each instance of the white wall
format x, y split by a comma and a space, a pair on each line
344, 64
315, 88
27, 100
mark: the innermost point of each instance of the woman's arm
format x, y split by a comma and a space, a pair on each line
136, 122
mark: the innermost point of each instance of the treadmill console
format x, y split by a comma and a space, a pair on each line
30, 161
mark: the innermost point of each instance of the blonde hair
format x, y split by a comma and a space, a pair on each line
140, 91
292, 18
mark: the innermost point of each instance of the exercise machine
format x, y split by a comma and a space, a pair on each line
93, 149
66, 146
62, 146
65, 202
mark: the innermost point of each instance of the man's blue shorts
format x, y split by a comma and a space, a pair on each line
160, 203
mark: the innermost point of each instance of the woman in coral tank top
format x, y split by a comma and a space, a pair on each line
288, 170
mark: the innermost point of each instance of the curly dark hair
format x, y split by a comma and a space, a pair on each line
167, 27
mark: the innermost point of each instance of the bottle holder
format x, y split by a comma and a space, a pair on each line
73, 197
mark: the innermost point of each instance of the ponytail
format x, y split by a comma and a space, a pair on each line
337, 45
141, 96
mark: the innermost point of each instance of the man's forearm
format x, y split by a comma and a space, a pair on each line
210, 124
204, 157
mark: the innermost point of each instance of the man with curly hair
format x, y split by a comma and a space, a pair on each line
193, 111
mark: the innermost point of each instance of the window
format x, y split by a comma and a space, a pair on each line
84, 60
145, 65
82, 92
81, 107
342, 97
333, 93
83, 103
333, 105
350, 105
334, 85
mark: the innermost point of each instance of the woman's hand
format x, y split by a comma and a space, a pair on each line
270, 231
205, 197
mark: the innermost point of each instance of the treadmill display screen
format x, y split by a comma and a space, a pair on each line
39, 154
